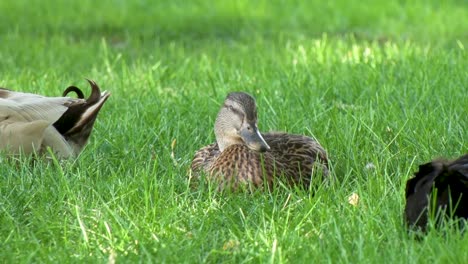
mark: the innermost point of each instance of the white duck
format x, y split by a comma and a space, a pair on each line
31, 123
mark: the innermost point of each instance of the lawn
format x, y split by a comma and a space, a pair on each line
382, 86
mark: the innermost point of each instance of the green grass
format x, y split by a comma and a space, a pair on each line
380, 83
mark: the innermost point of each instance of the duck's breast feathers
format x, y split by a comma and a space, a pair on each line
238, 164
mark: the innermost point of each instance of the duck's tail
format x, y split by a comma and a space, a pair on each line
74, 89
77, 122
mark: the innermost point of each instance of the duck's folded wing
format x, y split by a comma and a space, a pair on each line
205, 157
45, 110
35, 107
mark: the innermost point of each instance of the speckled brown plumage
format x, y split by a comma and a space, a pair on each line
254, 159
292, 158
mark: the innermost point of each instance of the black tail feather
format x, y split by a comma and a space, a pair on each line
74, 89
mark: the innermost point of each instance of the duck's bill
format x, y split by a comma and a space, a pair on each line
253, 139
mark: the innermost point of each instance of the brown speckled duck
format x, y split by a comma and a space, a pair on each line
31, 123
242, 156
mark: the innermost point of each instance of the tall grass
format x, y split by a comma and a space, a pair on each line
382, 86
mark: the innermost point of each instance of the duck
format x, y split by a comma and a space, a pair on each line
242, 156
33, 124
439, 188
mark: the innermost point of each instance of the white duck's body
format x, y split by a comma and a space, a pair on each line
31, 123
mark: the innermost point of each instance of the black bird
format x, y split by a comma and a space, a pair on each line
439, 188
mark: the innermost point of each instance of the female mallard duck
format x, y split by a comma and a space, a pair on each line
31, 123
244, 156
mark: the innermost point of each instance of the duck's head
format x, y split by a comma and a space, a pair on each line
236, 123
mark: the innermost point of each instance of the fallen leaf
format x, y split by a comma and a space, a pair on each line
231, 244
353, 199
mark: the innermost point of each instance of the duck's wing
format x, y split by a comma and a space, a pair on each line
77, 122
299, 155
31, 107
204, 158
295, 145
240, 167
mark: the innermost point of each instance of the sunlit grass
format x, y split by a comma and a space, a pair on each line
381, 86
